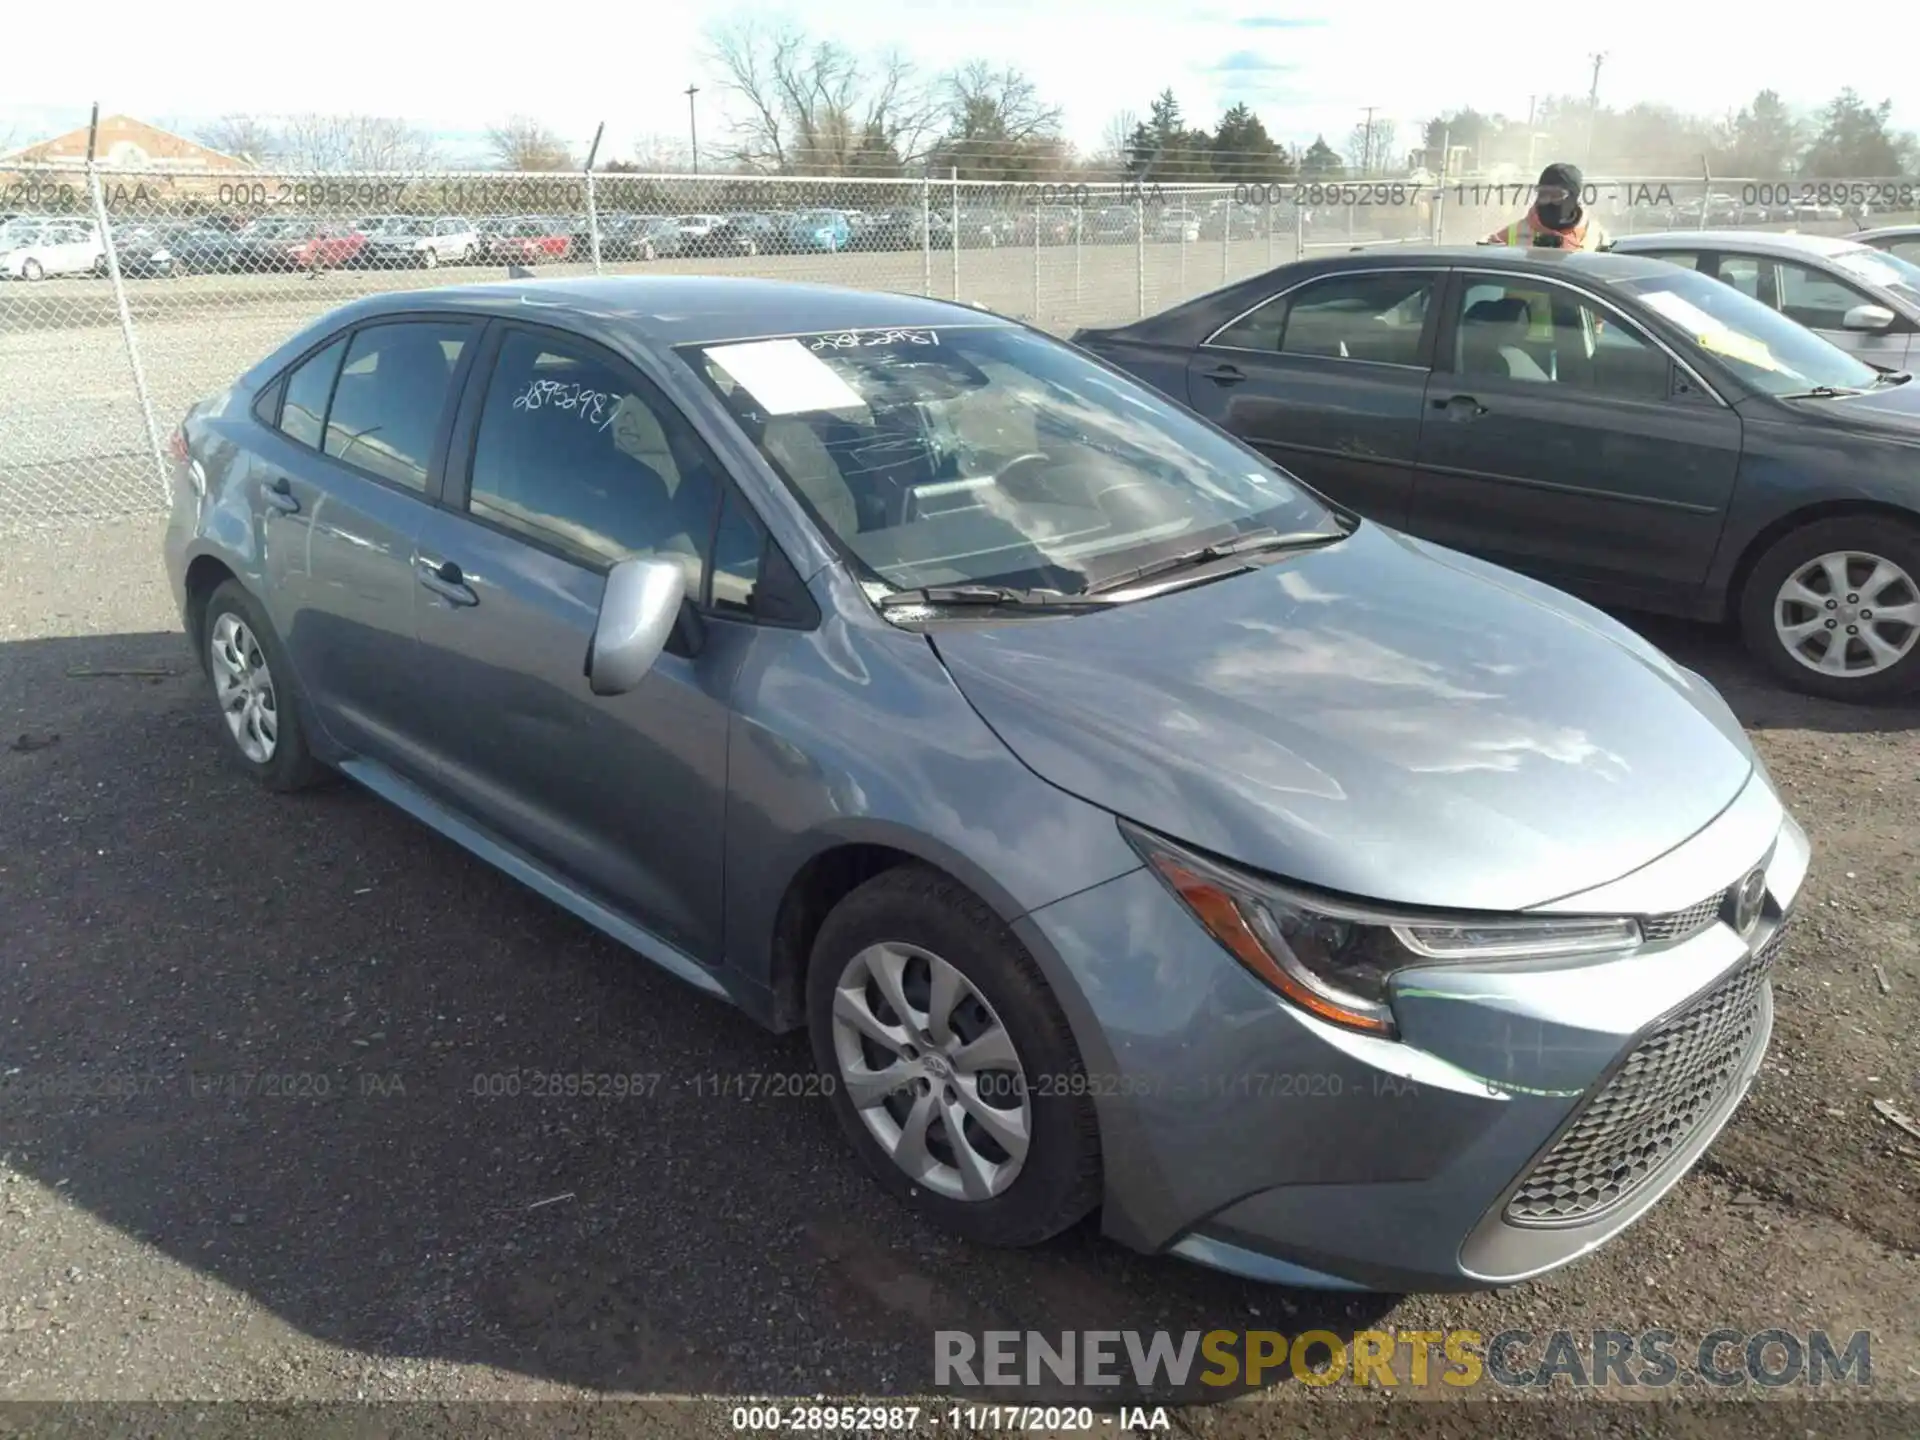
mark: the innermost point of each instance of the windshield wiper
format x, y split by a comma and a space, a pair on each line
1820, 392
1251, 543
1893, 377
985, 595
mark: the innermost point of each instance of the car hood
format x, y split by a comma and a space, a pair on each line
1380, 717
1892, 411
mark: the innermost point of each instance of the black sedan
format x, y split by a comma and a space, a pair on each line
1621, 427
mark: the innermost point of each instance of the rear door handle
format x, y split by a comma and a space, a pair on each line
280, 495
1464, 406
1226, 374
444, 579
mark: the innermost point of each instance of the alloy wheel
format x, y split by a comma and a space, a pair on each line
243, 685
1848, 614
932, 1071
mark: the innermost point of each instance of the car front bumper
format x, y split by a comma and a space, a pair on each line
1525, 1114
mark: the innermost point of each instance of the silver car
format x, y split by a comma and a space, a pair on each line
1865, 300
1901, 241
1130, 828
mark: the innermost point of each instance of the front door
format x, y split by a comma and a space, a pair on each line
1561, 440
576, 462
1820, 300
1329, 379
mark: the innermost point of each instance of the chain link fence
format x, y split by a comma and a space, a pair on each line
125, 295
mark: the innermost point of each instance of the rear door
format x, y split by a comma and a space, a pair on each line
1563, 440
346, 474
1329, 379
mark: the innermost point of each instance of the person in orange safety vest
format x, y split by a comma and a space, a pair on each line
1557, 220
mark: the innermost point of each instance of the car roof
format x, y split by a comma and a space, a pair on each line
683, 309
1763, 243
1888, 232
1606, 267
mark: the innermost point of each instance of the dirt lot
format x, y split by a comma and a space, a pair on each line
242, 1156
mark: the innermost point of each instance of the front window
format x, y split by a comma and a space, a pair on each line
992, 455
1758, 344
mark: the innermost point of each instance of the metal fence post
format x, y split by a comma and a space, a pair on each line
1299, 227
1226, 239
1706, 192
926, 235
954, 174
126, 323
1270, 227
1036, 262
593, 213
1079, 226
1140, 252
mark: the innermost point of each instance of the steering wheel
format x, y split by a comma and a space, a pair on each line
1020, 478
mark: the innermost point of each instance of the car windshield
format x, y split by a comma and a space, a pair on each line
1877, 267
992, 455
1760, 345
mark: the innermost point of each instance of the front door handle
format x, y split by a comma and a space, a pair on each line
1226, 374
280, 495
1464, 407
444, 579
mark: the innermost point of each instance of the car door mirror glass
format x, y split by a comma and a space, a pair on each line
1868, 318
638, 611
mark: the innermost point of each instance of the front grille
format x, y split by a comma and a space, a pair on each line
1658, 929
1656, 1100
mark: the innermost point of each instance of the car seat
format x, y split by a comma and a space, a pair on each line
1491, 336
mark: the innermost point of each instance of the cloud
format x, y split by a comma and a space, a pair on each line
1245, 62
1278, 22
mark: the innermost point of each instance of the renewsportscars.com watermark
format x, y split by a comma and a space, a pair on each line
1156, 1360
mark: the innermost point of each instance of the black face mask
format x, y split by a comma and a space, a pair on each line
1561, 213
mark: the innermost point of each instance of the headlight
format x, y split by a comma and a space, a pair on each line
1334, 958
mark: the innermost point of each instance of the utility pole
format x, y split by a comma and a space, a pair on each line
693, 127
1593, 102
1366, 145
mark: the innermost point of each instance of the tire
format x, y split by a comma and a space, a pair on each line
647, 251
1057, 1179
1885, 554
430, 258
235, 623
32, 270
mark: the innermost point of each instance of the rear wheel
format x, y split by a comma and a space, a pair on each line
32, 270
1833, 608
951, 1067
256, 694
430, 258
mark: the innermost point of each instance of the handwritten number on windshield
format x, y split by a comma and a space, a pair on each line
866, 339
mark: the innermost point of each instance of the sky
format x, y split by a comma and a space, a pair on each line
1305, 70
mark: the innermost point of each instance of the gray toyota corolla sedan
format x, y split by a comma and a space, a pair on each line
1130, 827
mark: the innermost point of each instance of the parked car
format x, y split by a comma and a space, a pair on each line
1066, 782
141, 249
1859, 298
200, 247
1902, 241
1613, 424
748, 233
325, 245
426, 241
37, 249
812, 231
1176, 223
532, 240
1115, 224
639, 237
696, 228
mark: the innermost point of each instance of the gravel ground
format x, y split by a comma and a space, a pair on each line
263, 1174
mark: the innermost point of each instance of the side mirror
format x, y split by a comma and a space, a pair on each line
638, 612
1870, 318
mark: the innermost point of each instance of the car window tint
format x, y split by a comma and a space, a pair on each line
1377, 317
1259, 330
392, 393
1686, 259
738, 544
581, 455
305, 408
1742, 272
1815, 299
1543, 334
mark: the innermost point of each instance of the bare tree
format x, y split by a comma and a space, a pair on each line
323, 143
662, 155
813, 107
240, 135
1116, 144
1370, 148
525, 144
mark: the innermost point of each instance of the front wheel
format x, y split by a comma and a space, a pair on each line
951, 1068
32, 270
1833, 608
430, 258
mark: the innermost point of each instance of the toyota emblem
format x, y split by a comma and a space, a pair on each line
1747, 901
